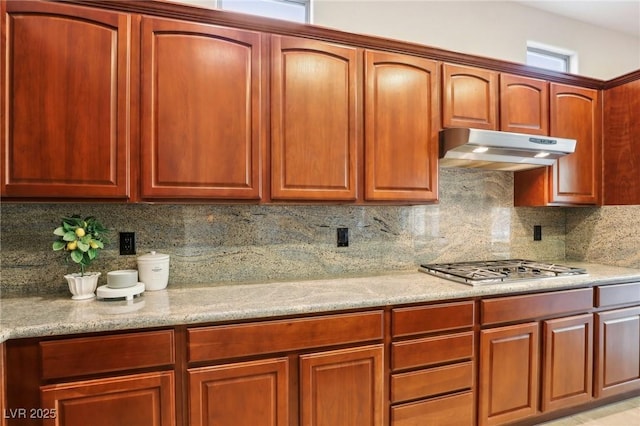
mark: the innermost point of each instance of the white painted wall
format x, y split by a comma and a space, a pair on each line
494, 29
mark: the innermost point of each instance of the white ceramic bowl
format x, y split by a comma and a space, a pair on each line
122, 278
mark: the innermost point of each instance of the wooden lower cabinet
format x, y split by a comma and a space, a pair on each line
454, 410
618, 351
343, 387
567, 362
134, 400
240, 394
508, 377
433, 374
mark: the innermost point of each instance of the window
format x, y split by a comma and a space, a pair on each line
551, 58
290, 10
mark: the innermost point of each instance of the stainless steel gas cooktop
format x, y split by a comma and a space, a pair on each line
499, 271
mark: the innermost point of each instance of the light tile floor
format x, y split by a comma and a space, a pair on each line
623, 413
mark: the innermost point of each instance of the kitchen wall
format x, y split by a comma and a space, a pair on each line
495, 29
211, 244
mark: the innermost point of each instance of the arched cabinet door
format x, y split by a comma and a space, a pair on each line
202, 105
469, 97
66, 108
314, 122
576, 113
401, 127
524, 105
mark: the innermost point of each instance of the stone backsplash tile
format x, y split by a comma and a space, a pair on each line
609, 235
210, 244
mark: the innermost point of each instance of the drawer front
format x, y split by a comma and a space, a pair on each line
618, 294
427, 319
433, 381
229, 341
91, 355
454, 410
432, 350
521, 308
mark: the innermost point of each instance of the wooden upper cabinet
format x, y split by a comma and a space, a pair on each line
576, 178
65, 108
622, 145
401, 130
470, 97
524, 105
314, 120
202, 113
576, 113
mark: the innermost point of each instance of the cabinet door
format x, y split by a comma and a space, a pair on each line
617, 352
576, 113
66, 87
470, 97
137, 400
568, 362
575, 178
342, 387
622, 149
314, 122
202, 111
401, 125
509, 363
242, 394
524, 105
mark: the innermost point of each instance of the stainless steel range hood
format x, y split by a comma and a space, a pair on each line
493, 150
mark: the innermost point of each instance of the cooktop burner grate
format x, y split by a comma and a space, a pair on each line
496, 271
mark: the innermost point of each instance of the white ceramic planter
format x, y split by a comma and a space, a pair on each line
83, 287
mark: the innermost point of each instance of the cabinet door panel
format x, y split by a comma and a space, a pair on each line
618, 352
201, 111
241, 394
622, 148
568, 362
401, 145
342, 387
314, 133
67, 102
524, 105
576, 114
509, 363
138, 400
470, 97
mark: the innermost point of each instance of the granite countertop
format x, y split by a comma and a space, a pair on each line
183, 304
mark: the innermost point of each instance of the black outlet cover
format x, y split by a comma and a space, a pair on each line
127, 243
343, 237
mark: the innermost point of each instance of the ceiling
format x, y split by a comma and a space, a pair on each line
618, 15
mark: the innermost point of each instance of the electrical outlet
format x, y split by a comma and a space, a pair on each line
343, 237
127, 243
537, 232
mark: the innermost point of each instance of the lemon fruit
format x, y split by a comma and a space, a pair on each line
72, 245
80, 232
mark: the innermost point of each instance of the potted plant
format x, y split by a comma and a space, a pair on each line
81, 239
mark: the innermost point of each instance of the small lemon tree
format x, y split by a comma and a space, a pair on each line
80, 239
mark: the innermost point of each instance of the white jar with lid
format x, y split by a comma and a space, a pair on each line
153, 270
